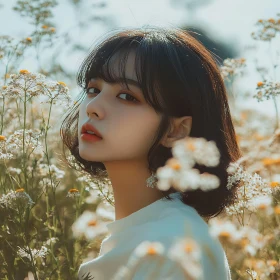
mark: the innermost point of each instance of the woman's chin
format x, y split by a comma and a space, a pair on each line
85, 155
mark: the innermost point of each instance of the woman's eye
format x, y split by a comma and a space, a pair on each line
130, 99
88, 89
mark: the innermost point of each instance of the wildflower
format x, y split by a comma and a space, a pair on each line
11, 50
187, 252
232, 67
45, 26
24, 71
197, 150
267, 90
2, 138
25, 84
262, 203
13, 198
267, 29
222, 230
14, 142
274, 184
28, 39
28, 85
27, 253
6, 156
45, 170
259, 84
13, 170
62, 83
58, 92
174, 163
88, 225
251, 186
105, 210
20, 190
271, 265
250, 240
52, 29
178, 171
50, 241
149, 248
277, 210
73, 193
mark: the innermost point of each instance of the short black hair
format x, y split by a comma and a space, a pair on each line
179, 77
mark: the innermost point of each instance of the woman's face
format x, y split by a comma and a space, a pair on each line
127, 126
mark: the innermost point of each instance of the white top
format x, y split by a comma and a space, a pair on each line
162, 221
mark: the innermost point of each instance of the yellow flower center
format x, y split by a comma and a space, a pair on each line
92, 223
224, 234
20, 190
262, 206
259, 84
270, 161
73, 190
62, 83
277, 210
188, 247
191, 146
243, 242
272, 262
274, 184
151, 251
244, 116
174, 164
23, 71
2, 138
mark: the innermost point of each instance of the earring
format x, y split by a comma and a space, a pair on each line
152, 180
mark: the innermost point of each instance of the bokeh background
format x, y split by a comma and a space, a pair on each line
58, 35
224, 26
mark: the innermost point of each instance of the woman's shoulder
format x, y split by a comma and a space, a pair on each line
183, 226
177, 220
174, 225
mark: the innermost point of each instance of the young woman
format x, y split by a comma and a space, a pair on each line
143, 89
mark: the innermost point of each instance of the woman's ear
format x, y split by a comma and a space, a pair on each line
181, 128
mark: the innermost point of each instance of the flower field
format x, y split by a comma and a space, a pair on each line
53, 215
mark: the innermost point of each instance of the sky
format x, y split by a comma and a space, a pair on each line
231, 21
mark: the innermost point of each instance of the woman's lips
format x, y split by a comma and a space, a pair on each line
90, 137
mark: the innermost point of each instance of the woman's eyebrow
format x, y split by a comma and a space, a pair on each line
130, 82
122, 80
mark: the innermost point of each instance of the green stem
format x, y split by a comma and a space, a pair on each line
273, 97
23, 152
276, 112
3, 105
33, 265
